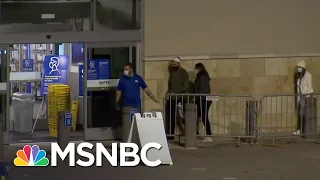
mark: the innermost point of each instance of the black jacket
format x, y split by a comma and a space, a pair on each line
202, 84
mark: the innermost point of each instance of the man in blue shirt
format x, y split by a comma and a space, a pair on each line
129, 88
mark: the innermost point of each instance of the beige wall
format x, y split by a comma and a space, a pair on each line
190, 27
243, 33
254, 77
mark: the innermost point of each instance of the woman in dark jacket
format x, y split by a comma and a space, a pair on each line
202, 86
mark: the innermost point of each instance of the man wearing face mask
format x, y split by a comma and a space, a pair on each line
129, 89
178, 83
304, 89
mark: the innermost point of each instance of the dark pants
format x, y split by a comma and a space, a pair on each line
302, 114
172, 115
203, 107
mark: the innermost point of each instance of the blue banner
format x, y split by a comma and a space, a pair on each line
81, 87
77, 52
98, 69
28, 66
55, 71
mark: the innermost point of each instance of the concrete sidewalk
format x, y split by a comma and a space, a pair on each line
214, 162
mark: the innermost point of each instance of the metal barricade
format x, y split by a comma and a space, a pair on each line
288, 115
217, 115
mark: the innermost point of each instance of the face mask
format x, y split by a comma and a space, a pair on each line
196, 71
299, 69
175, 67
126, 72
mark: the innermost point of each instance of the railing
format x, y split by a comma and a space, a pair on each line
289, 115
233, 116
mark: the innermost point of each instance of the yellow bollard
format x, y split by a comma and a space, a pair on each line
74, 110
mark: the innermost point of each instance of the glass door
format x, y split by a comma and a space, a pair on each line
5, 93
103, 66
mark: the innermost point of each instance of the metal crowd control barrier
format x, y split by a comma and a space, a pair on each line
217, 115
284, 116
242, 117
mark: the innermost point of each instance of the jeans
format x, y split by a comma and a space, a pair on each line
302, 113
172, 114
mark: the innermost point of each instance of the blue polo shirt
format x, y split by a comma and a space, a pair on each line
130, 90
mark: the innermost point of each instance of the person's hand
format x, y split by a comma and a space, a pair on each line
117, 106
166, 96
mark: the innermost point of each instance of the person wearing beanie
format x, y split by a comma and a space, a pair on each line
178, 83
304, 89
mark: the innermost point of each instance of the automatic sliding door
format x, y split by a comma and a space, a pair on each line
104, 63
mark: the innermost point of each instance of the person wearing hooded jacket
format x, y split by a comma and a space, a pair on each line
304, 89
178, 84
202, 86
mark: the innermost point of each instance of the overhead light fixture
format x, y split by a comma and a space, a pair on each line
48, 16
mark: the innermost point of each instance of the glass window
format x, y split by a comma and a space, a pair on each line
74, 15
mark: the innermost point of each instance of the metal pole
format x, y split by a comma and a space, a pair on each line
2, 135
134, 14
191, 126
63, 132
3, 103
93, 15
4, 112
251, 117
85, 106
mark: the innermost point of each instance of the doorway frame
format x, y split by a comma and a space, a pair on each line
104, 133
117, 37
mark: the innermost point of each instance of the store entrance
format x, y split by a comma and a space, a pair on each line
28, 110
24, 58
103, 119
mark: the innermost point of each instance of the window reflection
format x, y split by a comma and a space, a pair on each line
24, 16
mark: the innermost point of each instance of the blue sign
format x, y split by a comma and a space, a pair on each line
77, 52
55, 71
68, 120
28, 66
98, 69
131, 115
81, 85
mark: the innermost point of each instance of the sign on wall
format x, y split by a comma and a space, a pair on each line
28, 66
98, 74
55, 71
77, 52
98, 69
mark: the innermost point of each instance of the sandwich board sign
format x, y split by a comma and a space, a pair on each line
141, 127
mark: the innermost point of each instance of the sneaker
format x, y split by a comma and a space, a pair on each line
207, 139
297, 132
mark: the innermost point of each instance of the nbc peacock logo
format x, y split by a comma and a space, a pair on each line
31, 156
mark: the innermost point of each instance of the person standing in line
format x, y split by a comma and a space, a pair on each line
202, 86
129, 89
178, 83
304, 89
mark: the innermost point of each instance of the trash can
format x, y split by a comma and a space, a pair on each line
22, 111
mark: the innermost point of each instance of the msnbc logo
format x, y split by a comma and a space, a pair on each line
31, 156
